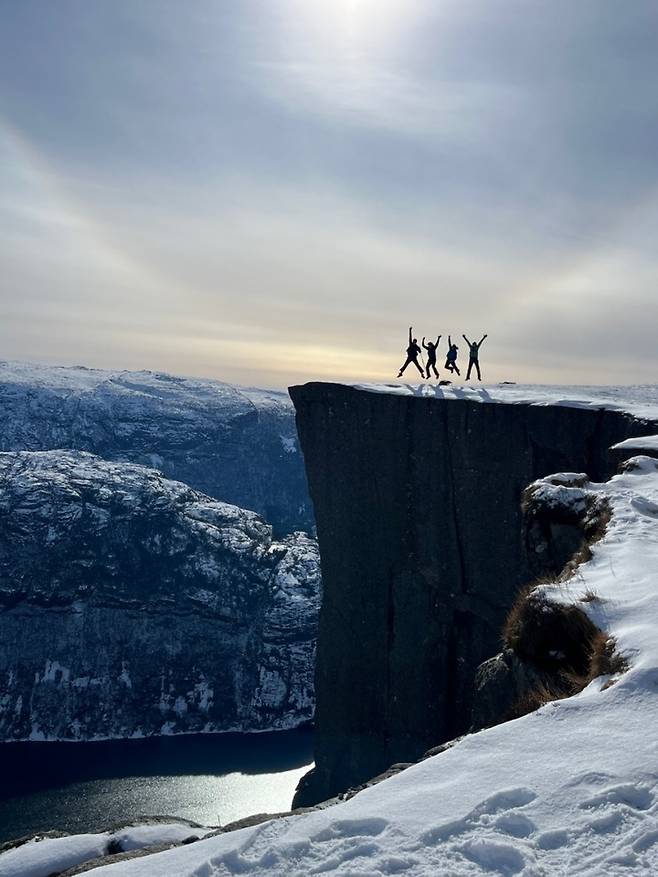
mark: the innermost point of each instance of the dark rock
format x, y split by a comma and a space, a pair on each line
561, 520
133, 605
109, 859
501, 683
418, 510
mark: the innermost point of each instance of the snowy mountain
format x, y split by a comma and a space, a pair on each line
235, 444
569, 789
131, 604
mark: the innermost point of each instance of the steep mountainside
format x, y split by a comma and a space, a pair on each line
418, 507
569, 790
235, 444
131, 604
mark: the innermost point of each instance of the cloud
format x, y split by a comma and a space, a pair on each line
281, 191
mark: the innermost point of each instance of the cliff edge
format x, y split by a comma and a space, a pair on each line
418, 508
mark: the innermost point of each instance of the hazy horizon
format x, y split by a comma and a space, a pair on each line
271, 192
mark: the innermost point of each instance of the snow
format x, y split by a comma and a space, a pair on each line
46, 856
644, 443
175, 391
571, 789
641, 400
49, 856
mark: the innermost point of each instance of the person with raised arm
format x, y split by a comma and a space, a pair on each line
451, 357
473, 356
413, 352
431, 356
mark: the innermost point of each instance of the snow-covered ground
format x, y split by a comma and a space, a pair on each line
52, 855
569, 790
641, 401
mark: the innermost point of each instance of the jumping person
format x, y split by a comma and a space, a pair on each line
431, 357
451, 358
413, 352
473, 356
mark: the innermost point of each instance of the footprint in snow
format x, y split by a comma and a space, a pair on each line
502, 804
506, 799
607, 824
646, 840
515, 824
645, 506
553, 840
500, 858
349, 853
351, 828
636, 797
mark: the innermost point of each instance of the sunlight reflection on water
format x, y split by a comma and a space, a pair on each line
210, 780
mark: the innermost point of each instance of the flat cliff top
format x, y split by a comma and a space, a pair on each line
640, 400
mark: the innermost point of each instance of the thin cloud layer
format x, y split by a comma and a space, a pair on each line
273, 195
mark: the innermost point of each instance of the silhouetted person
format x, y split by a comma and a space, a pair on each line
413, 352
451, 358
431, 356
474, 353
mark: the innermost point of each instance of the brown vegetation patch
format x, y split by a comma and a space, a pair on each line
563, 643
534, 699
553, 636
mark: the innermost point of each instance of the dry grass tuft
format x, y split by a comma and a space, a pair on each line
553, 636
605, 660
562, 642
534, 699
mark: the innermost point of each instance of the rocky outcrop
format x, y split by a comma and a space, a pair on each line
553, 648
234, 444
418, 510
501, 683
132, 605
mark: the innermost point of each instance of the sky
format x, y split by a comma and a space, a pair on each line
272, 191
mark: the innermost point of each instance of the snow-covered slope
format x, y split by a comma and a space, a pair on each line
569, 790
235, 444
131, 604
44, 856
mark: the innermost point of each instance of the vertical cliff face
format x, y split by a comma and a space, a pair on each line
417, 504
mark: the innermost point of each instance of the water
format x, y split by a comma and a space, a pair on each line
210, 779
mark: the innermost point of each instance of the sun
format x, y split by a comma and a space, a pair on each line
357, 25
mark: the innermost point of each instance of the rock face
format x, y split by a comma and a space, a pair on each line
131, 604
500, 683
418, 511
237, 445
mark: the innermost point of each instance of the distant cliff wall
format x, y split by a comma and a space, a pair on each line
417, 505
132, 605
234, 444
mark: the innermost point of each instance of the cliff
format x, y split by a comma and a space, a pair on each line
132, 605
417, 503
235, 444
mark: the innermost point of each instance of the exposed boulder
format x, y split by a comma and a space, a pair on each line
500, 684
